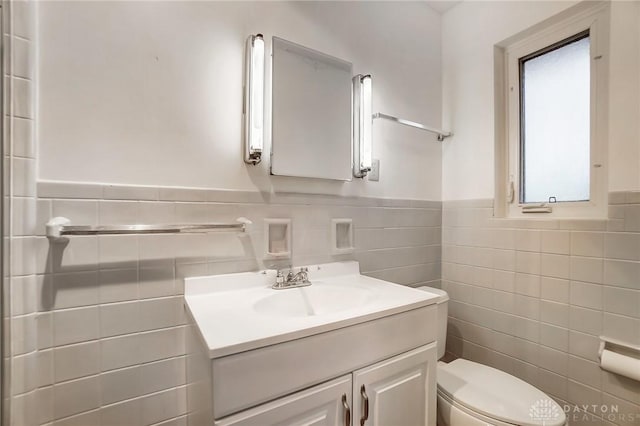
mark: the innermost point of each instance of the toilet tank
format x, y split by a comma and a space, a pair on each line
443, 310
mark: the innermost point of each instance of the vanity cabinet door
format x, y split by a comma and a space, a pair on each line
397, 391
328, 404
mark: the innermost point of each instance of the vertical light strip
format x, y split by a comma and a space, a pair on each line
254, 99
362, 125
367, 124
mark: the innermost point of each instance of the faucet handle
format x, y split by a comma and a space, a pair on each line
279, 277
304, 273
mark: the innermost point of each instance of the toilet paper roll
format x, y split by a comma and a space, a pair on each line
620, 364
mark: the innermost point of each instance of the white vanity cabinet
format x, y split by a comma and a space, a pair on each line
397, 391
257, 359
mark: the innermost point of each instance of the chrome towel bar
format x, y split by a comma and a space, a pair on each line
441, 134
60, 227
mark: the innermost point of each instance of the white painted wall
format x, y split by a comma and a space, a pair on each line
470, 31
150, 92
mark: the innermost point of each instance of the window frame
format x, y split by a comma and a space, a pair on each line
594, 21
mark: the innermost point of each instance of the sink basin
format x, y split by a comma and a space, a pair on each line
317, 299
240, 312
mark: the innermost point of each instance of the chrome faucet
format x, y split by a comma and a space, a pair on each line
291, 280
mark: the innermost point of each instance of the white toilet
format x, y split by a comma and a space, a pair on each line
472, 394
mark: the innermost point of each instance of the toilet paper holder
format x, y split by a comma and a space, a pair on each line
619, 357
619, 344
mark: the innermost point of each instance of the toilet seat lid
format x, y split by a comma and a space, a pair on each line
497, 394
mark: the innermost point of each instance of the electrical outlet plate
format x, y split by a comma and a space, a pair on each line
374, 174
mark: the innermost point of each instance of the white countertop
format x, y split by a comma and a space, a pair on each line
224, 306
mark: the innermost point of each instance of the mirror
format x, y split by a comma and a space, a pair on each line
311, 113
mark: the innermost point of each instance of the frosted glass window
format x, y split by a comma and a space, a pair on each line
555, 123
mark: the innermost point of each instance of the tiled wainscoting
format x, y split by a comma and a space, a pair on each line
105, 316
531, 297
19, 203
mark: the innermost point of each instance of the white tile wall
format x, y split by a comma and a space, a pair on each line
557, 285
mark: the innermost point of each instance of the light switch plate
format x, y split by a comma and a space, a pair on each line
374, 174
